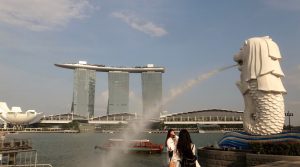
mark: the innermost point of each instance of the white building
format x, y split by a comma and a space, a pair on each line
16, 116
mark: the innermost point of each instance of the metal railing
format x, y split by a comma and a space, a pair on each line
20, 158
29, 165
15, 144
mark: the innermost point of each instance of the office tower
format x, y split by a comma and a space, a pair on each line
118, 88
152, 94
84, 92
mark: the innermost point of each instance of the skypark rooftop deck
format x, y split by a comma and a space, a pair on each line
103, 68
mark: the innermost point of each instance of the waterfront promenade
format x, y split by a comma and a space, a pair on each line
38, 130
281, 164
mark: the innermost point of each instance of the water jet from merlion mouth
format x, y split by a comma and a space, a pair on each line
192, 82
113, 157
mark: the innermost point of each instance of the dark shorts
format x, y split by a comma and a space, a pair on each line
170, 153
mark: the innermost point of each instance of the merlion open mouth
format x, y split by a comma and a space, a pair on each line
261, 86
240, 62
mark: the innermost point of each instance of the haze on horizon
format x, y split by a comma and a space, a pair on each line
188, 38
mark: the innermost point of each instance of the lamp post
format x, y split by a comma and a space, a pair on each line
289, 114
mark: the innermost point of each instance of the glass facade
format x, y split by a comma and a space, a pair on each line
118, 88
152, 94
84, 92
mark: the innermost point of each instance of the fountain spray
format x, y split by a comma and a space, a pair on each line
134, 129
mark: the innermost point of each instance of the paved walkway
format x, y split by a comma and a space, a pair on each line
281, 164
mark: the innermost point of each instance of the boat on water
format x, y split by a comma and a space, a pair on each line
132, 146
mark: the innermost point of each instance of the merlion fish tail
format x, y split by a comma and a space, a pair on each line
268, 115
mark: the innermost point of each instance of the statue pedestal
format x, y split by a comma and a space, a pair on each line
242, 140
212, 157
209, 157
241, 149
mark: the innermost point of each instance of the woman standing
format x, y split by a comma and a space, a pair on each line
170, 143
186, 150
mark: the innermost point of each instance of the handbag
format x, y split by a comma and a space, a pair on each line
172, 164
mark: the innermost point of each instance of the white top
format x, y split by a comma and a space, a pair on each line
171, 143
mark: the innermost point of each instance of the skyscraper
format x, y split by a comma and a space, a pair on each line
152, 94
118, 86
84, 92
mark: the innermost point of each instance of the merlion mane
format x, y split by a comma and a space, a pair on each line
261, 86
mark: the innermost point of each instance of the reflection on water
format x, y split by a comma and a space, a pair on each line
77, 150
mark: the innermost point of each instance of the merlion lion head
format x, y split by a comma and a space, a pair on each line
258, 59
261, 86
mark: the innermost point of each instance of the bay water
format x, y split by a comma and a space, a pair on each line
78, 149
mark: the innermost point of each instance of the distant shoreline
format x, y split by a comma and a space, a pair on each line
39, 130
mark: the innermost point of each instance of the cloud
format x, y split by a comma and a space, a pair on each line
291, 5
139, 24
42, 15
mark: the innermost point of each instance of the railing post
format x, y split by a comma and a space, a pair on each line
35, 161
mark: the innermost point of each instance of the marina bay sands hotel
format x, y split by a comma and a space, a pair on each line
118, 88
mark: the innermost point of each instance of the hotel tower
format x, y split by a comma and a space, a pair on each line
118, 88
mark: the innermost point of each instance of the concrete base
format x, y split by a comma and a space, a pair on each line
281, 164
208, 157
258, 159
221, 158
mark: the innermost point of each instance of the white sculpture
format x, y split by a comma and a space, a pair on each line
16, 116
261, 86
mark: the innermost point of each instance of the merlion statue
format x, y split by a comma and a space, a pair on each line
261, 86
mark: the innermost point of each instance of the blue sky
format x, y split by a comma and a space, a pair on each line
188, 38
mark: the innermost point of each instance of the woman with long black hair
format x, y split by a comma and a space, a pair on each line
186, 150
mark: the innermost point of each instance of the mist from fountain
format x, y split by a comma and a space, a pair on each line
192, 82
134, 129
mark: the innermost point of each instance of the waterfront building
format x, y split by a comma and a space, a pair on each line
152, 94
195, 121
62, 118
202, 121
84, 92
211, 119
16, 116
118, 88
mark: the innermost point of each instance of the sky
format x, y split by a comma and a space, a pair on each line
188, 38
